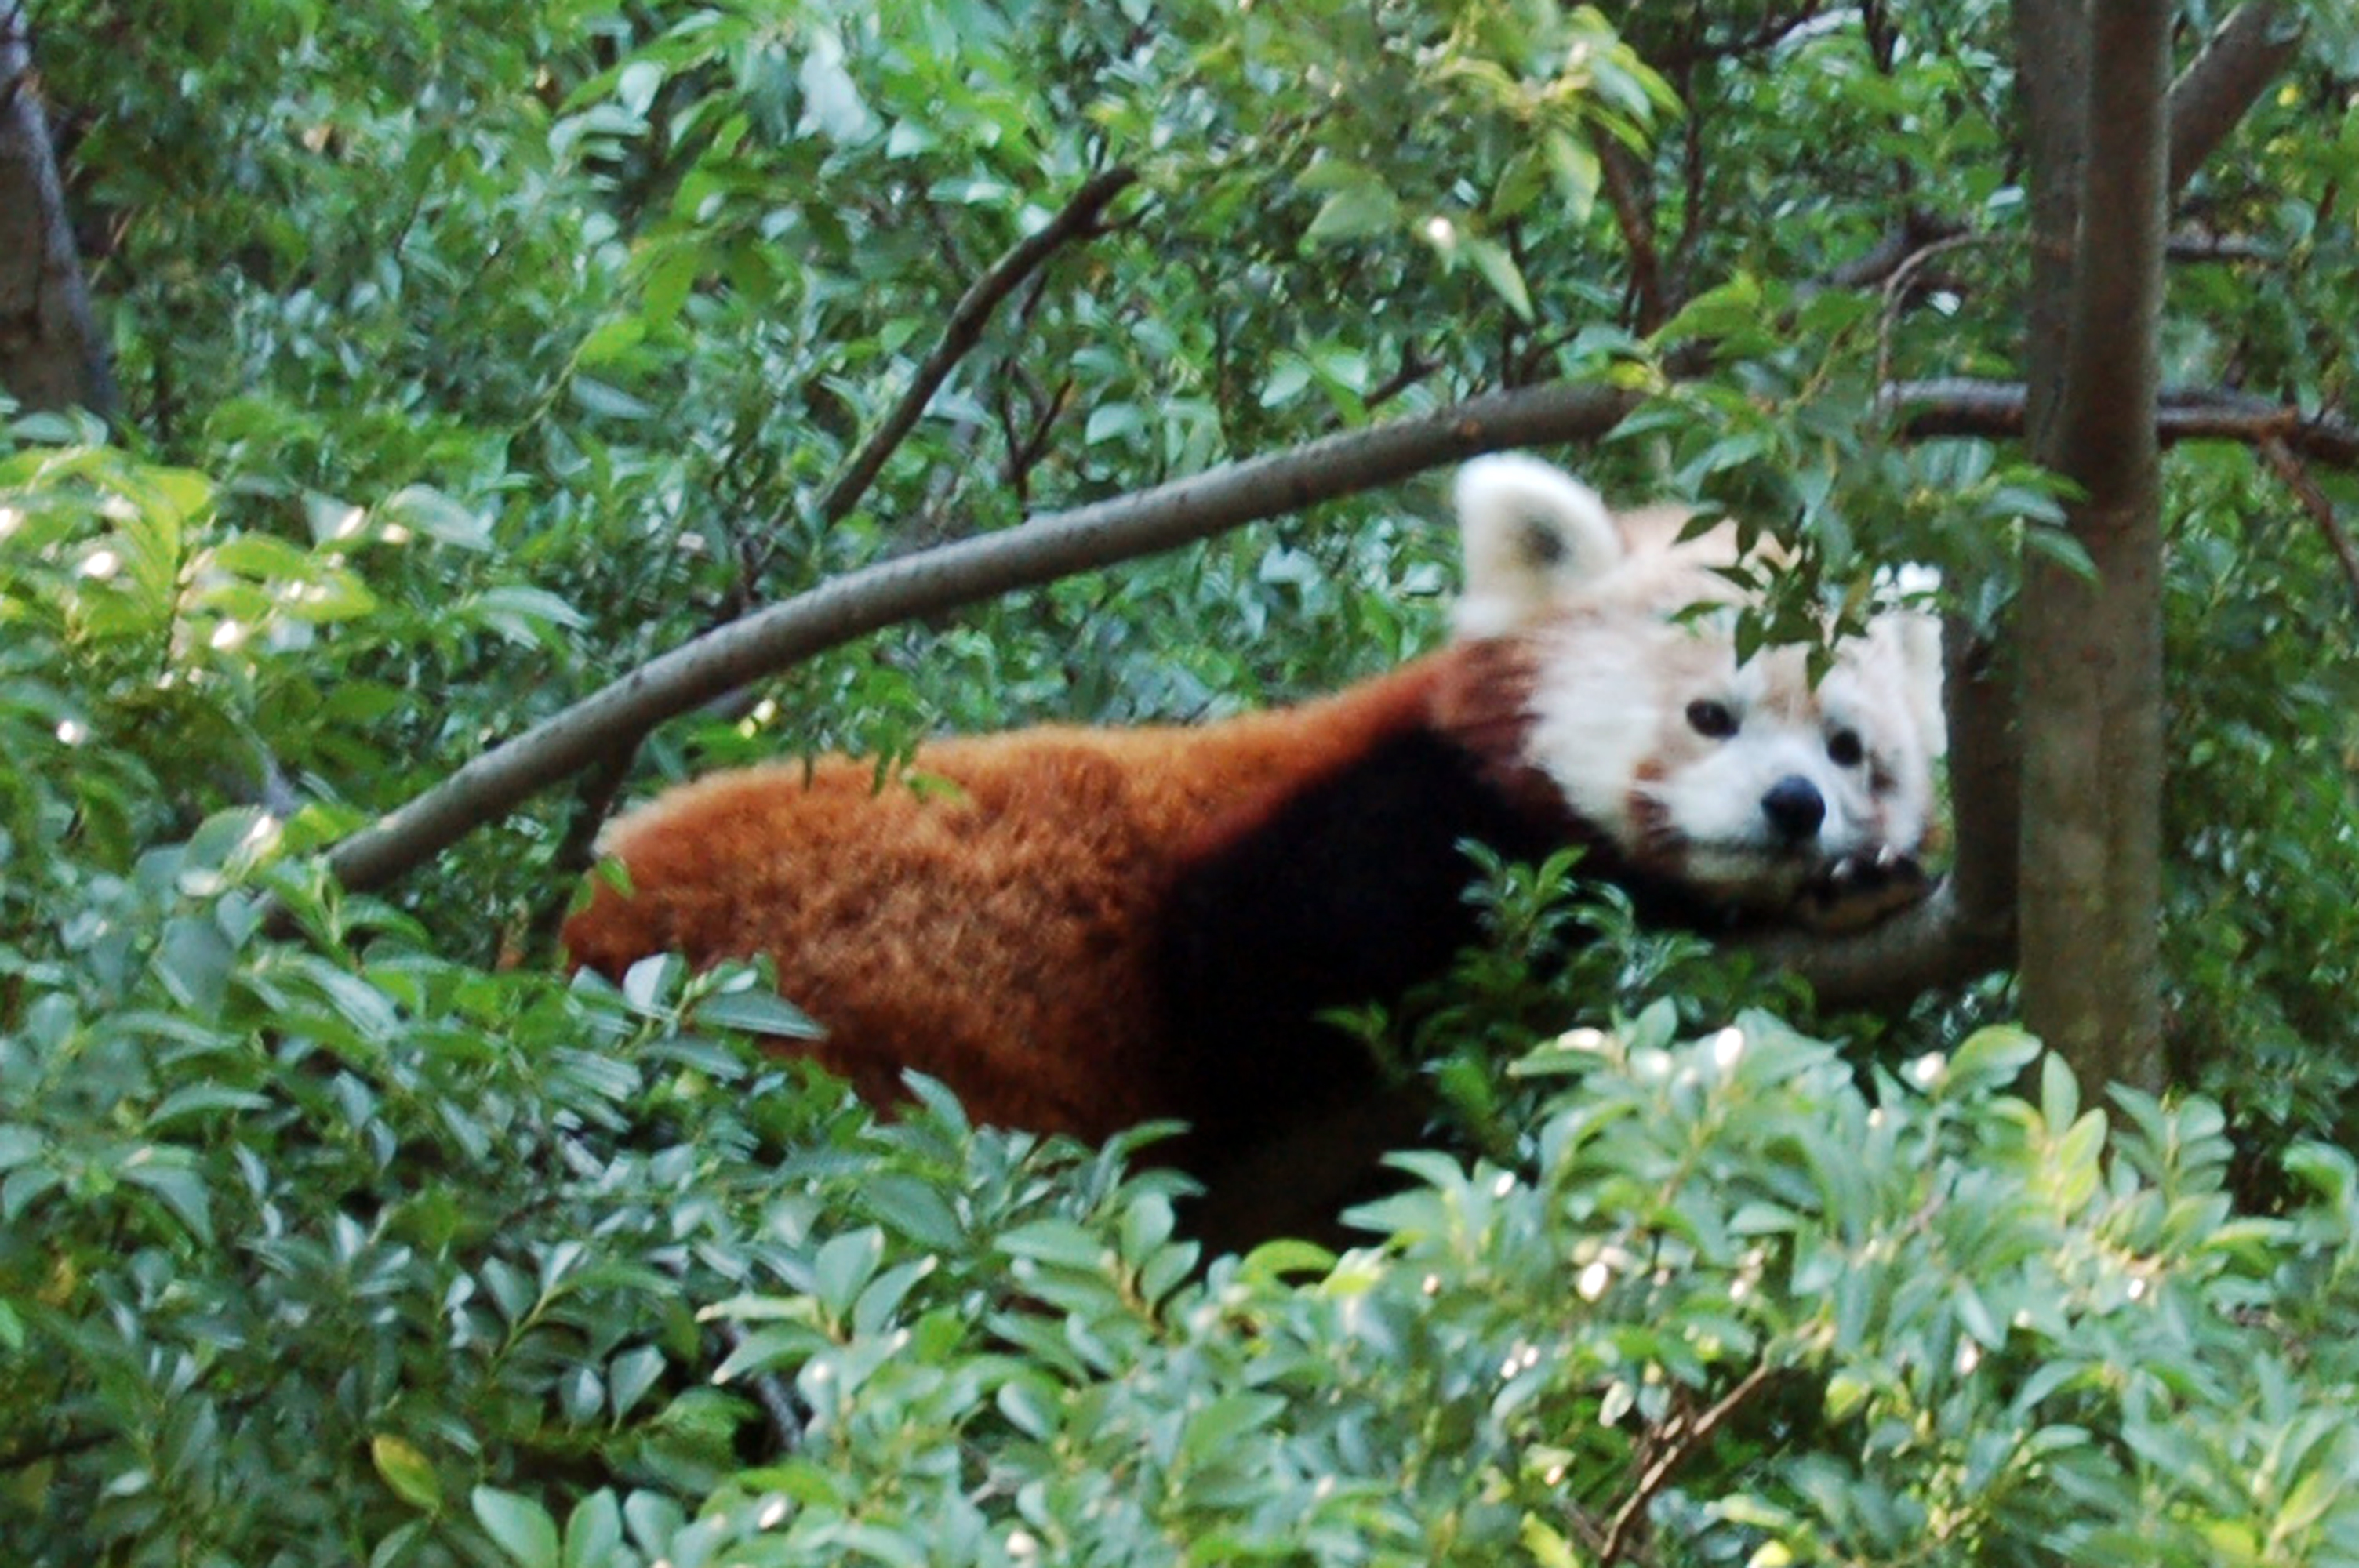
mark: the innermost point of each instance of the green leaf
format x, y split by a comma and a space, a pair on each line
610, 340
1354, 212
629, 1376
520, 1525
196, 1100
594, 1534
1577, 172
606, 401
1110, 420
844, 1268
1734, 307
758, 1012
1989, 1060
1547, 1546
407, 1471
1499, 270
916, 1208
169, 1174
1031, 1404
1058, 1241
1224, 1420
421, 508
833, 105
651, 985
18, 1144
262, 556
653, 1519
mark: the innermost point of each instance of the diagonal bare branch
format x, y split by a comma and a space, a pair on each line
968, 317
962, 572
2288, 468
1682, 1440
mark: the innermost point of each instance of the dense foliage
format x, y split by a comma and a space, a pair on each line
473, 352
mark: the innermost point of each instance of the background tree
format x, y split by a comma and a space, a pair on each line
2095, 83
51, 353
510, 347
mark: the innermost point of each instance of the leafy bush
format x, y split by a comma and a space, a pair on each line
398, 1260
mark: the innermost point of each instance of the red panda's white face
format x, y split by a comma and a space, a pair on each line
1743, 782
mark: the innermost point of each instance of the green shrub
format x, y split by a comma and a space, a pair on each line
1729, 1306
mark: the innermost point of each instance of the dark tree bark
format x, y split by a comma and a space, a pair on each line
2242, 55
51, 353
2095, 83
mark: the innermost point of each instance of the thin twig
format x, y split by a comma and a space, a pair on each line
2314, 501
1414, 367
1673, 56
1624, 183
1916, 230
964, 329
53, 1449
1679, 1444
1896, 294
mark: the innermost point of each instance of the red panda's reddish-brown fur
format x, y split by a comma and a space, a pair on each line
991, 921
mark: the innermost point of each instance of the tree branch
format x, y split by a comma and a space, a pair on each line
1986, 758
2314, 501
1900, 283
964, 328
1916, 229
1125, 528
960, 573
2242, 55
2091, 643
1959, 405
1627, 192
1929, 946
52, 355
1679, 1442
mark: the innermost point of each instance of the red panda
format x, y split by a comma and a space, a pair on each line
1080, 929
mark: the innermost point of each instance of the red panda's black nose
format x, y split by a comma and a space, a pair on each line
1794, 809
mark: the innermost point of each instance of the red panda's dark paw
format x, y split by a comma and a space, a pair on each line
1859, 890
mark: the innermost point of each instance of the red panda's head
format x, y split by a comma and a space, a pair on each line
1741, 780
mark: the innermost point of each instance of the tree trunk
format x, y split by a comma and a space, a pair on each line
50, 354
2095, 81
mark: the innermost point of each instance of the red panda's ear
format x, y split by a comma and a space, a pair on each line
1906, 638
1530, 532
1908, 643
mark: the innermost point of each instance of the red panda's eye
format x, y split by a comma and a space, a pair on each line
1712, 721
1846, 750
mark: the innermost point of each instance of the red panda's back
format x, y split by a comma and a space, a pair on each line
986, 918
